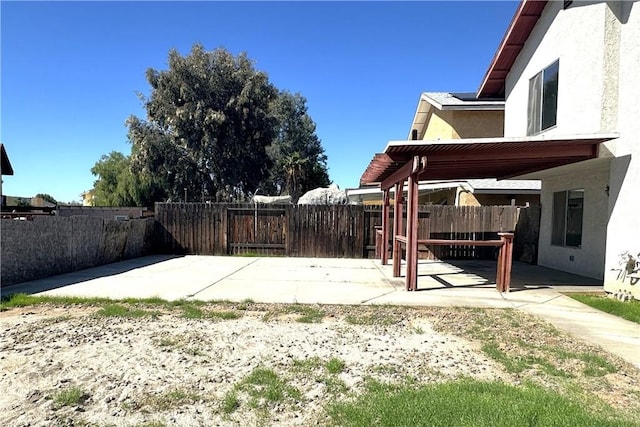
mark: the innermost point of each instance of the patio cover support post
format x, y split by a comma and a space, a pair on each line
385, 227
397, 227
505, 259
412, 234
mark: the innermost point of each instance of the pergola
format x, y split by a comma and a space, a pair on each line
501, 158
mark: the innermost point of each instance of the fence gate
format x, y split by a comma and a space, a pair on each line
257, 230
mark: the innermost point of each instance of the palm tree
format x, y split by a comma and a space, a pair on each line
294, 166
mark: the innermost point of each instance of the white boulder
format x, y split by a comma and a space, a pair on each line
280, 200
331, 195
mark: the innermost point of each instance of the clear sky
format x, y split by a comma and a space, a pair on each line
71, 71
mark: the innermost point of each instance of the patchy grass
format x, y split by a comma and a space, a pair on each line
466, 403
262, 388
191, 312
118, 310
306, 313
539, 353
306, 366
629, 310
380, 319
24, 300
511, 364
70, 397
245, 304
167, 400
230, 402
224, 315
334, 366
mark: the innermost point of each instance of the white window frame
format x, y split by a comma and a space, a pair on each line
543, 92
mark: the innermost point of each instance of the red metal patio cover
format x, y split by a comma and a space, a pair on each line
483, 157
466, 159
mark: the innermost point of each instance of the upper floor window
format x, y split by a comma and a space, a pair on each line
543, 99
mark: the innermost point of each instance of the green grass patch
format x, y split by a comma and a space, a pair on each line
334, 385
518, 364
263, 387
511, 364
230, 402
306, 366
629, 310
595, 365
119, 310
224, 315
24, 300
70, 397
191, 312
334, 366
244, 304
306, 313
467, 403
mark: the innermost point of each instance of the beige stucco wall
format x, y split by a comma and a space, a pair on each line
439, 126
456, 124
478, 124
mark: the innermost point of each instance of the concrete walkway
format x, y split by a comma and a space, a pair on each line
535, 290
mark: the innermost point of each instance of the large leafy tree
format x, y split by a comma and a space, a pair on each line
299, 161
209, 120
112, 188
216, 127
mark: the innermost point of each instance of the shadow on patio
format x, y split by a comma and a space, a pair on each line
434, 275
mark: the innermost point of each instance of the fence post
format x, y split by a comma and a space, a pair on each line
505, 258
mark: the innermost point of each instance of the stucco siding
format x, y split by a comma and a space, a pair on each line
478, 124
589, 259
575, 38
623, 233
440, 126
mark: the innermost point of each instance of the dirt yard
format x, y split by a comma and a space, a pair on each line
253, 364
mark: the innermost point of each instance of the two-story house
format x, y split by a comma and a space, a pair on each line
573, 68
569, 74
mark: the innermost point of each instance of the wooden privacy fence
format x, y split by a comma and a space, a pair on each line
347, 231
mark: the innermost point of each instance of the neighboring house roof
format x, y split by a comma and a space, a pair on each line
5, 166
522, 24
462, 101
505, 186
479, 186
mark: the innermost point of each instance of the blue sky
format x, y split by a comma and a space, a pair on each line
70, 71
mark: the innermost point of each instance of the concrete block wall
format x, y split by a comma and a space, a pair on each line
48, 246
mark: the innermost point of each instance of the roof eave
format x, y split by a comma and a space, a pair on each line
5, 164
520, 28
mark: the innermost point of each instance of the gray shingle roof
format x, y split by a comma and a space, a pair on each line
505, 184
447, 100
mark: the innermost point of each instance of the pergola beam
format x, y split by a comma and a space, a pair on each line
385, 227
398, 176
